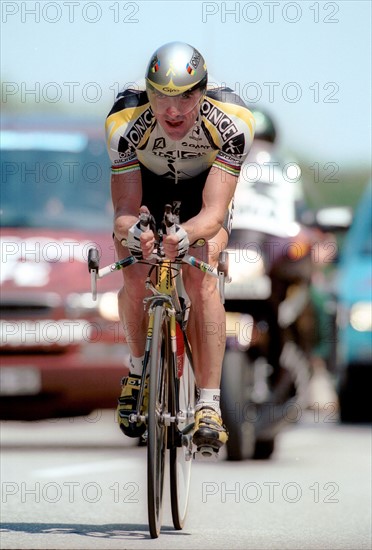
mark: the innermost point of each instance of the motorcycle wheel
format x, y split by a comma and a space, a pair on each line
237, 411
264, 449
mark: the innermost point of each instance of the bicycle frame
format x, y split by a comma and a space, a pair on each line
164, 292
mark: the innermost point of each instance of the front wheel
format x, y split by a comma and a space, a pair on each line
157, 430
180, 455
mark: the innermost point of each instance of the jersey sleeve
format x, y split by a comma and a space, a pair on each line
233, 130
119, 123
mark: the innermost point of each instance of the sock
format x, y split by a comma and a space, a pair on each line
209, 398
136, 365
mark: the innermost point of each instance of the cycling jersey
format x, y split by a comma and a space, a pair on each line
221, 136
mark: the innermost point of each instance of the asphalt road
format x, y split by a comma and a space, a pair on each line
78, 483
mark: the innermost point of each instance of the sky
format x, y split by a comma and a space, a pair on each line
308, 63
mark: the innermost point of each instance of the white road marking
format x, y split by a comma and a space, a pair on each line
84, 468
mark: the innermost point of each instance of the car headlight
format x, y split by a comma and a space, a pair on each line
239, 327
361, 316
247, 271
245, 264
106, 305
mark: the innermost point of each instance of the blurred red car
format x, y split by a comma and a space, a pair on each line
61, 353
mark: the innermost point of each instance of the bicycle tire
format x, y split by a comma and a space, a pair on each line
180, 456
157, 431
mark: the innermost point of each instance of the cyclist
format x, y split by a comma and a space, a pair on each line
175, 141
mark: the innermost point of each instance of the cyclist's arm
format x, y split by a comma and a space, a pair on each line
218, 192
126, 194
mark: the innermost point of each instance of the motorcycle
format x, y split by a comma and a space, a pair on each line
269, 316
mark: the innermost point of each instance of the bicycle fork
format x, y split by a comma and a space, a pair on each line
181, 418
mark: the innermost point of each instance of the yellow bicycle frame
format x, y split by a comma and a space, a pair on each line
165, 284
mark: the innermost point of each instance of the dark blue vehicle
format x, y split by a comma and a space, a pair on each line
354, 316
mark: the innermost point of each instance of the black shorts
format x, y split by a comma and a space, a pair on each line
186, 194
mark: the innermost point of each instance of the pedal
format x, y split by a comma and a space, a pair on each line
206, 454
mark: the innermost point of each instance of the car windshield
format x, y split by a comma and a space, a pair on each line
54, 180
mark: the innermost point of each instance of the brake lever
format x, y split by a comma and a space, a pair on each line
169, 220
93, 266
223, 273
144, 220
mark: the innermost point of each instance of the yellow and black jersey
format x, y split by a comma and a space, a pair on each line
221, 136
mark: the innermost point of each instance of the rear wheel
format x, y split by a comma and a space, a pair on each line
157, 430
180, 456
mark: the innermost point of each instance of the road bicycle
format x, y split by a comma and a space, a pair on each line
168, 370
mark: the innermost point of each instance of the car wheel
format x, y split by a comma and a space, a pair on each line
354, 395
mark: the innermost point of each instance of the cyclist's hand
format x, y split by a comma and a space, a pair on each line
176, 244
140, 243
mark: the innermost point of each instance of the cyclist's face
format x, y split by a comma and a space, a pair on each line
176, 114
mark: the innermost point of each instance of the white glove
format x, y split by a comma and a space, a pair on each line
133, 240
183, 241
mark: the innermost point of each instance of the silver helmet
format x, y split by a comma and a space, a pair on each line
176, 68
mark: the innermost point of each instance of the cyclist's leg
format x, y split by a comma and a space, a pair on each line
206, 324
130, 297
207, 335
134, 321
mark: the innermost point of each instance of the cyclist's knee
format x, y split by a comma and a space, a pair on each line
134, 284
198, 286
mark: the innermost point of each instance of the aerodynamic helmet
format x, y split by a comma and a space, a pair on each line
176, 70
